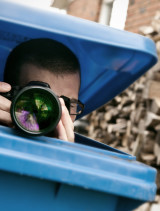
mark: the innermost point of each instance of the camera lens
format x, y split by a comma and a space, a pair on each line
36, 110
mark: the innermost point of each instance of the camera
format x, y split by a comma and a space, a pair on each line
35, 108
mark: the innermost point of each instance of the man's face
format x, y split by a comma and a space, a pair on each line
64, 84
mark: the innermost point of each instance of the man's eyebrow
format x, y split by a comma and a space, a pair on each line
73, 100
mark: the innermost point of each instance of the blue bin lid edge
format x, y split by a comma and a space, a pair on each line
136, 178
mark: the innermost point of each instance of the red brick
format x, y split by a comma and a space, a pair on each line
137, 18
85, 9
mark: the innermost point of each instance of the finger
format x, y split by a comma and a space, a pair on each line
67, 122
5, 118
5, 104
4, 87
61, 131
65, 113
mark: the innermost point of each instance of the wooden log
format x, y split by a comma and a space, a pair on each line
152, 90
152, 120
158, 46
157, 148
155, 106
156, 25
139, 114
156, 38
156, 76
139, 139
157, 127
148, 158
146, 30
125, 139
117, 127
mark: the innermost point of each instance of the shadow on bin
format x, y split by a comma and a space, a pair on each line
48, 174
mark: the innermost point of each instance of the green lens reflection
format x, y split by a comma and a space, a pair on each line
36, 110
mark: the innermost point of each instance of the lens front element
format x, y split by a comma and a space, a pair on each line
36, 110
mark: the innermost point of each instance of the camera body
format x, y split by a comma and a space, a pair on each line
35, 109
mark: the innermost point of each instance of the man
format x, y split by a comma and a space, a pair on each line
48, 61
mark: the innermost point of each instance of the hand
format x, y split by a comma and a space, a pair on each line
5, 104
65, 127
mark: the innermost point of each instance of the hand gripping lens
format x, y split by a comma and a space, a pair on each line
35, 109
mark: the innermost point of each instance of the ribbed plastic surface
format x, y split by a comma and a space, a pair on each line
76, 164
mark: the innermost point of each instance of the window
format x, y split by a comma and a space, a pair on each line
114, 13
106, 11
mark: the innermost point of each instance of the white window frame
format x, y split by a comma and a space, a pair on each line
105, 12
114, 13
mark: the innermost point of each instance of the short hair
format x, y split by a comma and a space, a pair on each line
43, 53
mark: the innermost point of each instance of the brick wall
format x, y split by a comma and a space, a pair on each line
140, 13
87, 9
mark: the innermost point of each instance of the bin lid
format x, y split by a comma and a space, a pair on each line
110, 59
110, 171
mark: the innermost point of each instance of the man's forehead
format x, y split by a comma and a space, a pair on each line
66, 84
31, 71
61, 84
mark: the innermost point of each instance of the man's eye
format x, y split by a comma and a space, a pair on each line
73, 108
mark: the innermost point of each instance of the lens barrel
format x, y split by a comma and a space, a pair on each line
36, 110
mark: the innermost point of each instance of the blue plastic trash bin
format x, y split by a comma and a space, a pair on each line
48, 174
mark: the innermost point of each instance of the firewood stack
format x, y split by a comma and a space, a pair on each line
131, 121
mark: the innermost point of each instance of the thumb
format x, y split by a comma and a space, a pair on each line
4, 87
